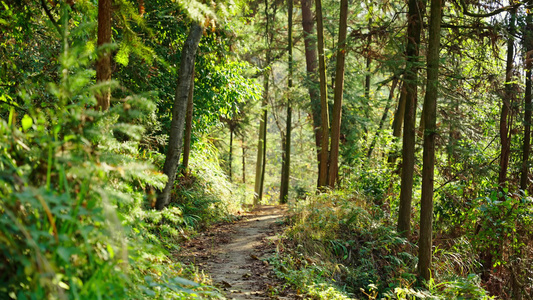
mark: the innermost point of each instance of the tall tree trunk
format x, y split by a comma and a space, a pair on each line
383, 118
528, 40
243, 161
284, 189
339, 89
188, 56
103, 64
311, 64
231, 153
261, 144
366, 107
414, 28
430, 113
324, 145
506, 112
188, 127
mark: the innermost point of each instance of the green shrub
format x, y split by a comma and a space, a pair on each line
67, 188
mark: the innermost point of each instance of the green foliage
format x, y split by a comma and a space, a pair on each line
69, 178
501, 223
342, 246
351, 239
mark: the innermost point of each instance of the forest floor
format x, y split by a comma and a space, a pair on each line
235, 255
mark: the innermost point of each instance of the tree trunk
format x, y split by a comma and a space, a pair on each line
528, 40
383, 118
506, 112
188, 127
103, 64
261, 145
284, 187
366, 107
311, 64
243, 161
414, 28
339, 89
399, 114
188, 56
430, 113
324, 145
231, 153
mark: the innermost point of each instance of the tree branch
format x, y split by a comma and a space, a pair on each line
49, 14
490, 14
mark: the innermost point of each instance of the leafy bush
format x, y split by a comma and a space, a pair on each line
67, 187
344, 237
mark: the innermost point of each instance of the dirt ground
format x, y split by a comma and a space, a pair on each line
235, 255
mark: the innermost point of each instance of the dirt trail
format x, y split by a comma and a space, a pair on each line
235, 254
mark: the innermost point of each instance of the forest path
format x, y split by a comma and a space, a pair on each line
234, 255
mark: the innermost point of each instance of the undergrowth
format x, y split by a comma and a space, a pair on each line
75, 199
341, 246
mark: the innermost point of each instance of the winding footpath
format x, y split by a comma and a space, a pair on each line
235, 255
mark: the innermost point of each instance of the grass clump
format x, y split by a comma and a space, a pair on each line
341, 239
341, 246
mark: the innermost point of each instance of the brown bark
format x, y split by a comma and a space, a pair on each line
103, 64
528, 40
324, 145
188, 127
430, 114
284, 187
339, 89
186, 70
311, 67
414, 28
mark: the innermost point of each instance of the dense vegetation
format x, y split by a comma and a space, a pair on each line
398, 132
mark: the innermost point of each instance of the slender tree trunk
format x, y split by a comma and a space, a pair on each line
284, 188
367, 79
188, 127
383, 118
339, 89
263, 167
399, 114
506, 112
430, 110
243, 161
311, 64
231, 153
188, 56
103, 64
414, 29
528, 40
324, 145
261, 144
